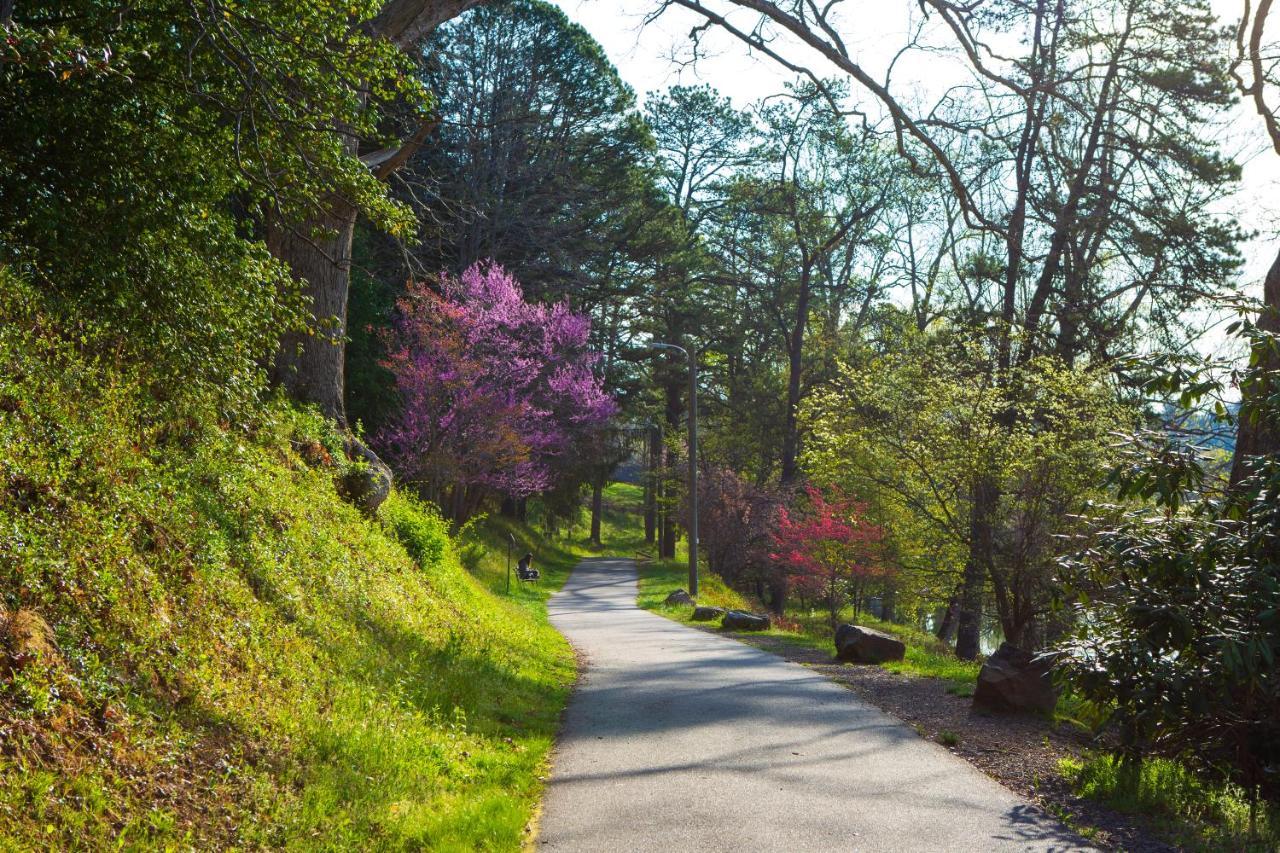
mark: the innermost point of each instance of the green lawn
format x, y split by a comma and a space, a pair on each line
926, 656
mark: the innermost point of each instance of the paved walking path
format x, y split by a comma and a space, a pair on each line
679, 740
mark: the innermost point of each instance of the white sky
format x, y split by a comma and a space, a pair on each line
874, 30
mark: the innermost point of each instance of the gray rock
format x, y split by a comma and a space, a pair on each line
367, 483
1015, 680
737, 620
857, 644
707, 614
680, 596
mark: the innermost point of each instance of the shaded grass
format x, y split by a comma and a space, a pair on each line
621, 534
1192, 813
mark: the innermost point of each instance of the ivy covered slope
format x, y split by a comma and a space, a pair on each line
202, 644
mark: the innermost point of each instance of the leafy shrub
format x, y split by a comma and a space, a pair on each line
735, 530
469, 544
419, 527
134, 191
1180, 622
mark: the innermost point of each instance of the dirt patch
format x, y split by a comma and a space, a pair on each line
1021, 752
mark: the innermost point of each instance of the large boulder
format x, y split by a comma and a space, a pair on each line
857, 644
737, 620
680, 596
367, 482
1015, 680
707, 614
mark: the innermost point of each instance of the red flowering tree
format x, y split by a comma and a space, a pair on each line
496, 392
829, 549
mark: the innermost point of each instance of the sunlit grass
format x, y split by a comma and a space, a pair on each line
661, 578
1195, 814
256, 664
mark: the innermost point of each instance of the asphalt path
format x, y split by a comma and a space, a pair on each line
677, 740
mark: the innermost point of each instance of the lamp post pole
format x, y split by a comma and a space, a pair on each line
693, 462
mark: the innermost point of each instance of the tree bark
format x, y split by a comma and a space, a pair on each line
791, 435
1258, 432
597, 509
947, 627
972, 587
888, 604
651, 485
309, 364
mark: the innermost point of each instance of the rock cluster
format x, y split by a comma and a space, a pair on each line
680, 596
367, 483
707, 614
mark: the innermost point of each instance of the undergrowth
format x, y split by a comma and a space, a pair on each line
238, 657
1194, 814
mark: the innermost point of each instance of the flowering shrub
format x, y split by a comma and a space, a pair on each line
830, 551
496, 391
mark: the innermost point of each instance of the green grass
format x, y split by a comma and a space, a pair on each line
926, 656
246, 660
1190, 812
486, 551
660, 578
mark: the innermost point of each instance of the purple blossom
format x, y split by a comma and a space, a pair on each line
495, 390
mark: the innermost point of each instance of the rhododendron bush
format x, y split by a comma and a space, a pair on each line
496, 392
830, 550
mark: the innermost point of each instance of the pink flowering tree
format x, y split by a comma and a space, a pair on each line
829, 550
496, 392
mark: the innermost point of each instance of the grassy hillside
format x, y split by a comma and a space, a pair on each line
235, 656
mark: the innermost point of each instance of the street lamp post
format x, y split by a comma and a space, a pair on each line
693, 462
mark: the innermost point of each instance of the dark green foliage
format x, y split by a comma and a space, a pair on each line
540, 153
1180, 622
370, 388
144, 147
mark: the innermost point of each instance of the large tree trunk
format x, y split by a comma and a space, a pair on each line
1259, 431
973, 584
309, 365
